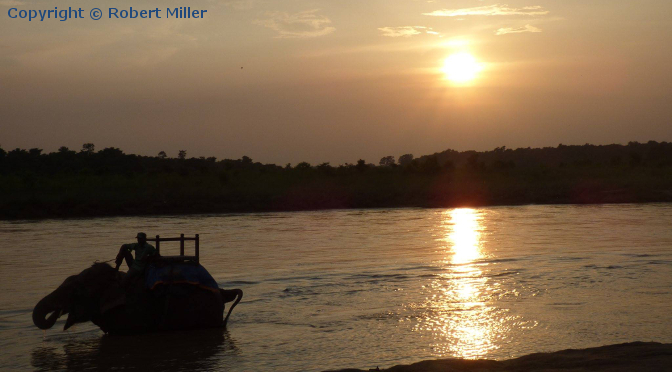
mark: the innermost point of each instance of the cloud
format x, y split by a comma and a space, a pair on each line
517, 30
299, 25
490, 10
406, 31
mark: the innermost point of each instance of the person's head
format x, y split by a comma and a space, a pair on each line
142, 238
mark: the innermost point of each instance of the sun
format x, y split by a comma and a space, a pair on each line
461, 68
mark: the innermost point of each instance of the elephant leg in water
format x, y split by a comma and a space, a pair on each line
228, 296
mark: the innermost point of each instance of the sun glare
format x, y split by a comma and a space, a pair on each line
461, 68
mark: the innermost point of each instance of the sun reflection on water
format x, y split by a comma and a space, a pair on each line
464, 234
462, 317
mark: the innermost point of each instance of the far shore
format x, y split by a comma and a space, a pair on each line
70, 184
634, 356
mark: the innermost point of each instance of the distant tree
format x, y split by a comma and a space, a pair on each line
405, 160
63, 150
228, 164
324, 166
288, 166
431, 164
111, 152
35, 152
18, 152
88, 148
449, 166
303, 165
387, 161
223, 178
472, 161
212, 159
502, 165
182, 154
361, 165
246, 160
162, 155
413, 166
616, 160
3, 153
18, 155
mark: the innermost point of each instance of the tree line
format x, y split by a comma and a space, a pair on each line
90, 182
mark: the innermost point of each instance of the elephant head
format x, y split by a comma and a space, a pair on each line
79, 296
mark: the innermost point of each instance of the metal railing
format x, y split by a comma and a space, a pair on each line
181, 239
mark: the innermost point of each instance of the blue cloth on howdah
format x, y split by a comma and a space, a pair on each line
180, 273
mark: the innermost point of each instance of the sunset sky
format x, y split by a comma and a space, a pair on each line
339, 80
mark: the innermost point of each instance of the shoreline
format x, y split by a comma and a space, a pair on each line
632, 356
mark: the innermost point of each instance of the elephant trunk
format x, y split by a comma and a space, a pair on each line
56, 302
40, 312
228, 296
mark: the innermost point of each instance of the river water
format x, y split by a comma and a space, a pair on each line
362, 288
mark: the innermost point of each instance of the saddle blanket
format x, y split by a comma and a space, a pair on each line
180, 274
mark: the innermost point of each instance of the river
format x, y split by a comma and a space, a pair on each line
362, 288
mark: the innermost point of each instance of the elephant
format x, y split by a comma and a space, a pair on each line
97, 295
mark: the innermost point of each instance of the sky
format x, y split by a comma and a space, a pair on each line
337, 80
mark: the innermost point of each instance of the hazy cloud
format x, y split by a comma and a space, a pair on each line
406, 31
517, 30
299, 25
490, 10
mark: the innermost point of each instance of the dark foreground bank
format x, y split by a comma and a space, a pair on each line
634, 356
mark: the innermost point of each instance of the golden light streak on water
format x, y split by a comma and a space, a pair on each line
464, 233
463, 322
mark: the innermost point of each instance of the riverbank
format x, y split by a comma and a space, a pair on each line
66, 184
634, 356
165, 194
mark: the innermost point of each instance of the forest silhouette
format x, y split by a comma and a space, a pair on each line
87, 182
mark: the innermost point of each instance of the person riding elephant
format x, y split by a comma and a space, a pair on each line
143, 253
96, 295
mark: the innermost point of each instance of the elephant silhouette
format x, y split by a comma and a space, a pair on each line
97, 295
